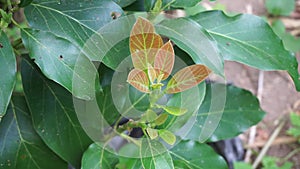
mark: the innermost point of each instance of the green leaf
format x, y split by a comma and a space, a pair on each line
62, 62
167, 136
124, 3
184, 3
161, 119
271, 163
149, 116
191, 100
225, 112
152, 133
57, 123
127, 157
24, 3
190, 154
20, 146
76, 22
139, 100
242, 165
106, 105
154, 155
250, 40
280, 7
8, 69
194, 40
291, 42
176, 111
97, 156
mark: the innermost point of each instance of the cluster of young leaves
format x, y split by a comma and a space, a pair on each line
57, 33
153, 62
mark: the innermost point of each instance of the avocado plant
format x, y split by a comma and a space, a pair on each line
124, 84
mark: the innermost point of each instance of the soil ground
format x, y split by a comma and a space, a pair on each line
279, 96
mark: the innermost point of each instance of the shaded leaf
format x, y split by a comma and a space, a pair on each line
8, 69
189, 36
187, 78
57, 124
190, 154
167, 136
250, 40
96, 156
176, 111
215, 121
62, 62
128, 157
184, 4
24, 3
139, 79
20, 146
164, 60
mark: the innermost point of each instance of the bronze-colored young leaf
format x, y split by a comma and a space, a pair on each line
143, 48
138, 79
176, 111
164, 60
144, 43
167, 136
142, 26
152, 133
187, 78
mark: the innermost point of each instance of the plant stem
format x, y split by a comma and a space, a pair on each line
291, 154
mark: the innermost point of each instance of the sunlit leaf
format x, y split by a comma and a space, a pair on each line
152, 133
167, 136
151, 73
176, 111
144, 43
187, 78
164, 60
139, 80
161, 119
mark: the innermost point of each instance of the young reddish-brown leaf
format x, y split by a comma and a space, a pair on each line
142, 26
144, 43
164, 60
187, 78
143, 49
138, 79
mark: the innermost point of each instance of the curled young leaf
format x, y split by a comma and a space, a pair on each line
167, 136
164, 60
138, 79
187, 78
176, 111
